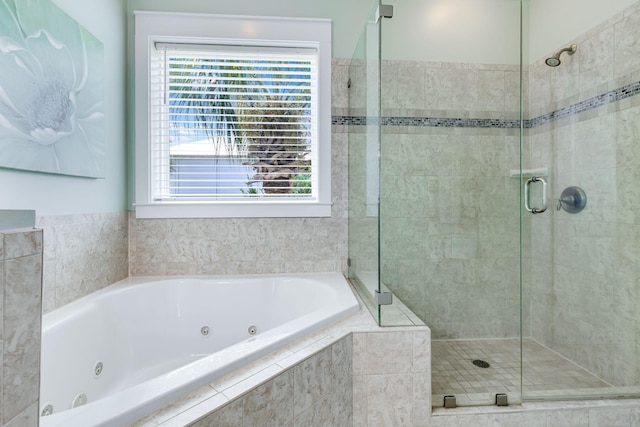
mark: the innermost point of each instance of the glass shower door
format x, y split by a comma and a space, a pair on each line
530, 304
450, 190
583, 333
364, 176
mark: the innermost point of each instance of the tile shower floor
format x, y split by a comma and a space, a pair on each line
544, 371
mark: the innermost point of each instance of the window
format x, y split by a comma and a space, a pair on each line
232, 116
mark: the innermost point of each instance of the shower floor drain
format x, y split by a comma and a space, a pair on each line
481, 363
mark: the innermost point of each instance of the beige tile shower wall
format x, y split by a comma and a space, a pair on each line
363, 228
450, 211
82, 254
450, 230
585, 266
454, 90
252, 245
607, 58
20, 306
585, 295
363, 223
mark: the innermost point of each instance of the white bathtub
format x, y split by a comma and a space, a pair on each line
155, 339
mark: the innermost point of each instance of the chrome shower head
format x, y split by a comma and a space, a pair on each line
554, 61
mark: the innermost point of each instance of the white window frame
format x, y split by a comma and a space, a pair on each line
152, 27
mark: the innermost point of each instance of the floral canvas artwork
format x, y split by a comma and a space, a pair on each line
51, 91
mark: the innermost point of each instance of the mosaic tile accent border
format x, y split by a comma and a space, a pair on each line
450, 123
586, 105
615, 95
425, 122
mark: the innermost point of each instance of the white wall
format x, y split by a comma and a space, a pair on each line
476, 31
55, 194
486, 31
555, 23
348, 16
434, 30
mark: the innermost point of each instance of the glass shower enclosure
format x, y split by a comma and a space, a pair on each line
491, 193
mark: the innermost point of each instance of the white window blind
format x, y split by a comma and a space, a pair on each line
233, 122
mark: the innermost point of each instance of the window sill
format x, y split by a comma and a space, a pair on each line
233, 210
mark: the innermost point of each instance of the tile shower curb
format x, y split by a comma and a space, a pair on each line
538, 406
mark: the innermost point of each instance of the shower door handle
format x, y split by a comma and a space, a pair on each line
545, 194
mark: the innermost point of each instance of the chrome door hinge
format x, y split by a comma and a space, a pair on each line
384, 298
384, 11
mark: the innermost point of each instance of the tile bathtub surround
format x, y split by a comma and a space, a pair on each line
20, 306
392, 378
82, 254
318, 390
324, 374
236, 246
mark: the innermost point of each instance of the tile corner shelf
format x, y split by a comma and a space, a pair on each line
528, 173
